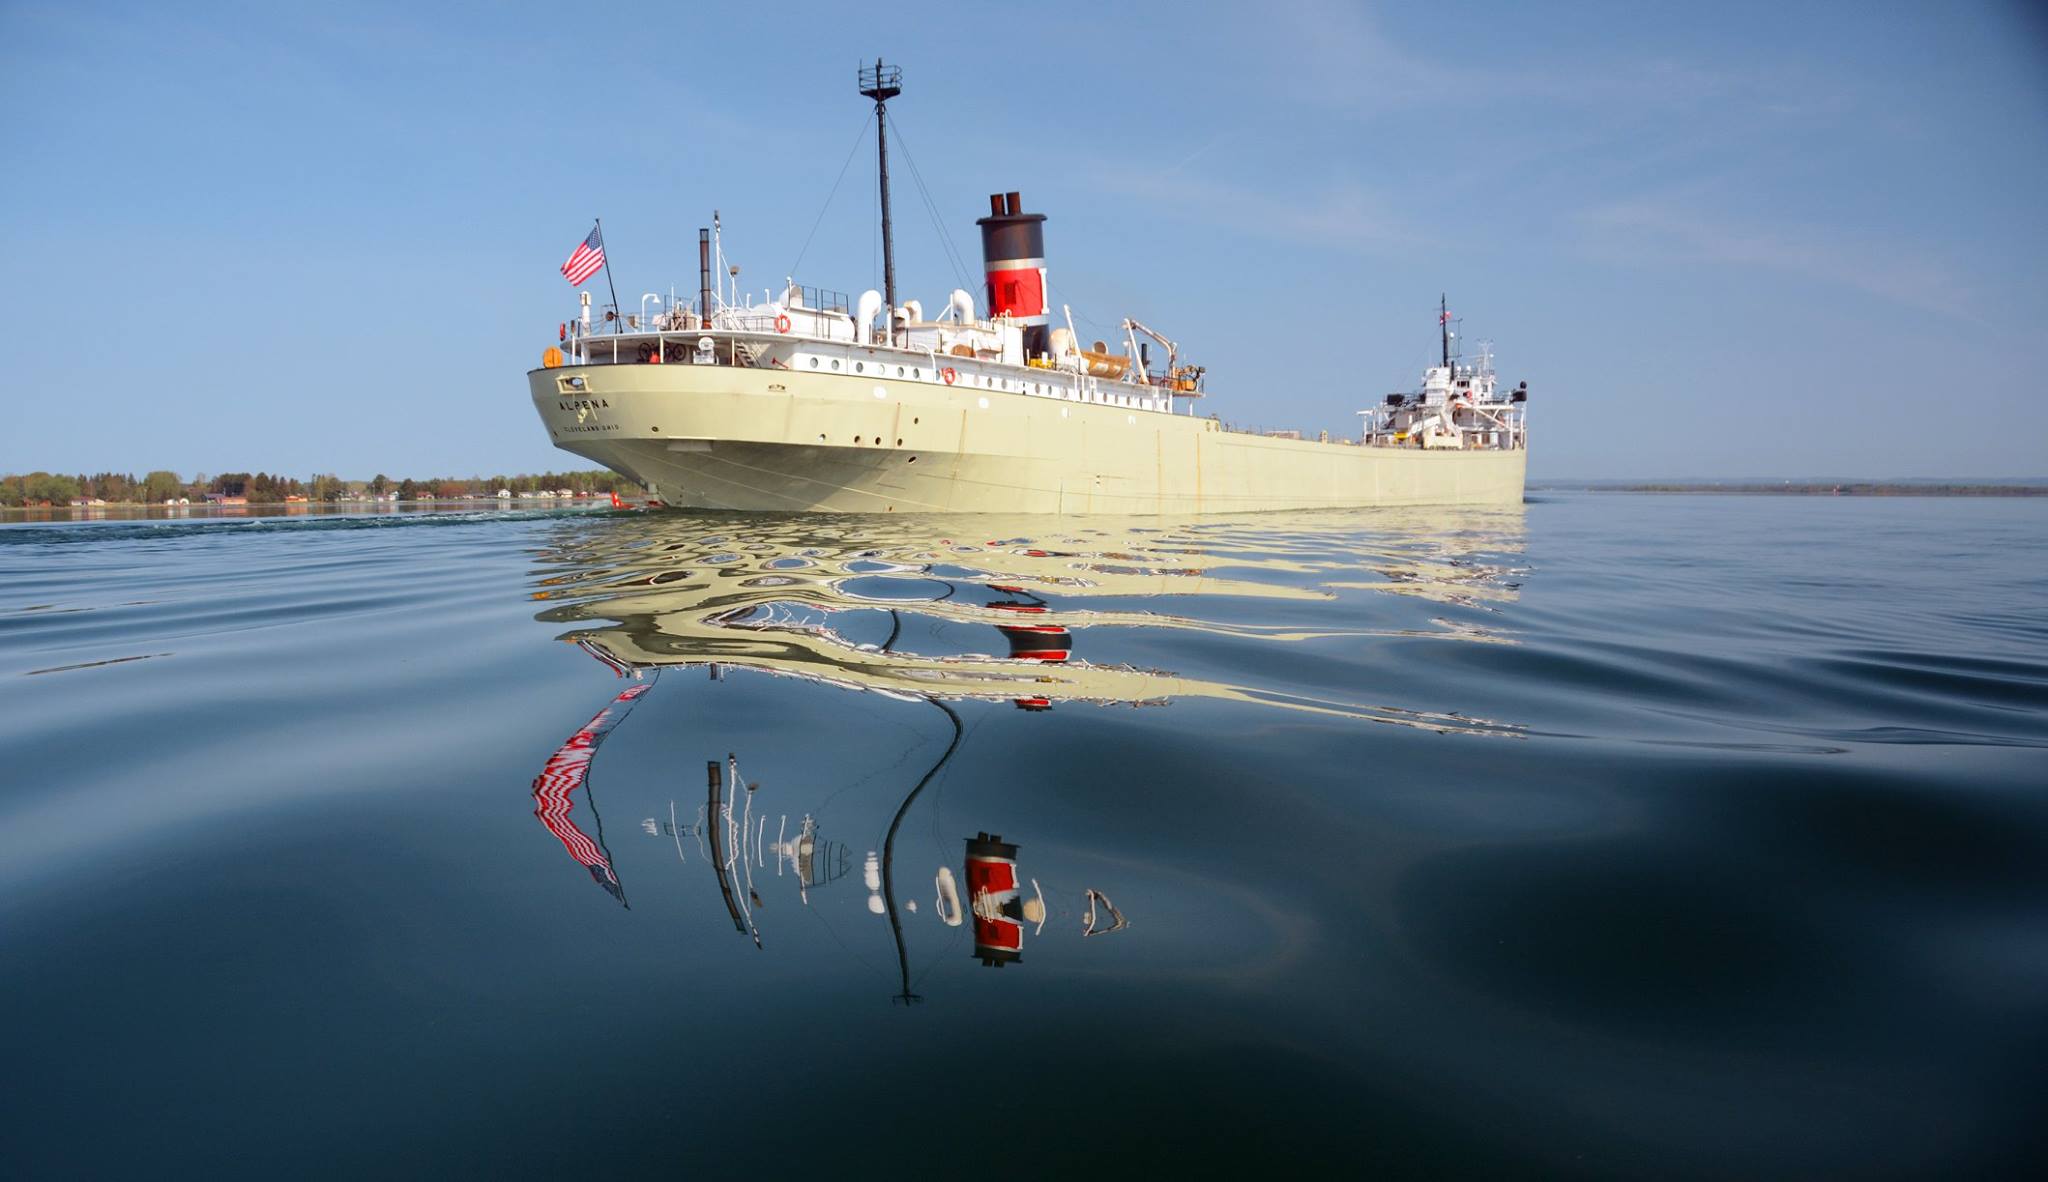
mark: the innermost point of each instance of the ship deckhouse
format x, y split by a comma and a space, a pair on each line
1005, 346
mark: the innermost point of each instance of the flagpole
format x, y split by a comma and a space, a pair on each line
608, 274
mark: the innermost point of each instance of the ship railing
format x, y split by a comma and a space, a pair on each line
618, 342
681, 318
819, 299
684, 320
768, 323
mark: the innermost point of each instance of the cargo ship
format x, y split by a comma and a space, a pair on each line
806, 400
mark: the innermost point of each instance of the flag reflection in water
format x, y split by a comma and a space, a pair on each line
568, 769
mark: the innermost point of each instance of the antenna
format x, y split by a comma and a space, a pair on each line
882, 83
718, 254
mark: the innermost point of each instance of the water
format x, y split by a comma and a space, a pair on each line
1605, 836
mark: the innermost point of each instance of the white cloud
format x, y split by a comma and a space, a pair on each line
1342, 215
1663, 232
1334, 54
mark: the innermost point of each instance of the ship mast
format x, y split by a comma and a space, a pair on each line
882, 83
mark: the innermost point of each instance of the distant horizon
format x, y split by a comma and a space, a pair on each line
1535, 482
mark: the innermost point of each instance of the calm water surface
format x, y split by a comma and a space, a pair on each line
1604, 836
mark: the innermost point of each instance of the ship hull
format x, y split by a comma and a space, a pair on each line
727, 437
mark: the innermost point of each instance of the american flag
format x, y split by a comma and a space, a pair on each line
588, 258
566, 770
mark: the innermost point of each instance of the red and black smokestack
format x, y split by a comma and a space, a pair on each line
1013, 255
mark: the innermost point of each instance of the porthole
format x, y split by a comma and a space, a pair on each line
913, 420
856, 439
899, 371
899, 443
835, 363
912, 460
814, 363
915, 374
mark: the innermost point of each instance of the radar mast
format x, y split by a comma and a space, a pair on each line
882, 83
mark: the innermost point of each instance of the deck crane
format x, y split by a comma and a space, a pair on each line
1181, 379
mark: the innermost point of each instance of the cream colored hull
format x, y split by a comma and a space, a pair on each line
727, 437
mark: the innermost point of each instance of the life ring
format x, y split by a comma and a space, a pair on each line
781, 323
647, 354
948, 376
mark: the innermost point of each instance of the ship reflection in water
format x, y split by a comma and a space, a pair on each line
834, 599
922, 617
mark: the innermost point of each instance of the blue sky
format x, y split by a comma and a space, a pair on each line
1717, 240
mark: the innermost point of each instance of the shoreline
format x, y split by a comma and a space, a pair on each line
281, 509
364, 503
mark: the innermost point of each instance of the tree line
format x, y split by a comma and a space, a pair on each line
263, 488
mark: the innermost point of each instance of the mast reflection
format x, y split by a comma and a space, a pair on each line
725, 859
889, 855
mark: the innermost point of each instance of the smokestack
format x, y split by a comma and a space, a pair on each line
1013, 256
704, 277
